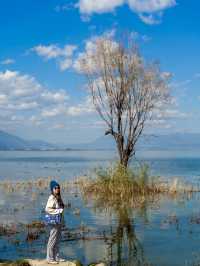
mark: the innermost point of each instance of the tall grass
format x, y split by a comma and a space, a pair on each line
117, 184
20, 262
117, 179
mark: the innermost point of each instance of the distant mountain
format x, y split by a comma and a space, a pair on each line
102, 143
11, 142
178, 141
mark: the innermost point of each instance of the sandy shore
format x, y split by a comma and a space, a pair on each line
44, 263
66, 263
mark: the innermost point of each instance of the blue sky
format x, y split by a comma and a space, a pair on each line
42, 94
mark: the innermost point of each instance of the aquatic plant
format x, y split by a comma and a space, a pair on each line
120, 184
35, 229
20, 262
6, 230
31, 236
36, 224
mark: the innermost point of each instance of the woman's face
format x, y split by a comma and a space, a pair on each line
56, 190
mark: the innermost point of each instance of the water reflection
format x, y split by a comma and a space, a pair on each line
124, 247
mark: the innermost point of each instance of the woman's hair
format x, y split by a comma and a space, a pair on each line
54, 184
60, 201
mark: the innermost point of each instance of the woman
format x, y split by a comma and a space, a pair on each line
54, 205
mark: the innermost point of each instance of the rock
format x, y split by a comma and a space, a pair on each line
72, 263
98, 264
66, 263
76, 263
44, 263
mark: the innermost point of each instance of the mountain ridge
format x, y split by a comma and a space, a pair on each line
11, 142
175, 141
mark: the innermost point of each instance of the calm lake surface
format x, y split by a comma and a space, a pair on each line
166, 233
20, 165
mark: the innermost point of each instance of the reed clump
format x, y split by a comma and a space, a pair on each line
117, 180
20, 262
6, 230
35, 229
120, 184
38, 185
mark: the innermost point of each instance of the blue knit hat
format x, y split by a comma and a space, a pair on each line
53, 184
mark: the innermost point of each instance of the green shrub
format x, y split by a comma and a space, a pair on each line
118, 185
118, 176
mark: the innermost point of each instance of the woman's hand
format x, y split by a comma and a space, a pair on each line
60, 210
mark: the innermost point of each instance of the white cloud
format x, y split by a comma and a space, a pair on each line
48, 52
171, 114
64, 7
146, 38
181, 84
166, 75
151, 19
23, 94
150, 6
15, 85
59, 126
167, 113
65, 64
3, 99
159, 123
96, 6
164, 119
149, 11
90, 49
197, 75
107, 39
86, 107
56, 111
56, 97
65, 112
23, 106
63, 56
7, 61
35, 120
17, 118
24, 102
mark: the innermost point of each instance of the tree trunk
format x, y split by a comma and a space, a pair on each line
124, 156
125, 161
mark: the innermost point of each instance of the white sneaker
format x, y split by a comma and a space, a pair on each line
52, 262
60, 260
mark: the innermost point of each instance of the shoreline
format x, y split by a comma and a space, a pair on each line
43, 262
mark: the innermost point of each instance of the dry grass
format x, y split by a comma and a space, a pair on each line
16, 263
116, 184
39, 185
6, 230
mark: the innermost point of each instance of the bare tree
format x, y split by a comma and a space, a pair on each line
125, 90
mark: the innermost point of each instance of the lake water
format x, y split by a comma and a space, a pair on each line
69, 164
163, 234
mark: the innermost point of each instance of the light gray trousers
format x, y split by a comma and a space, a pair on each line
53, 243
